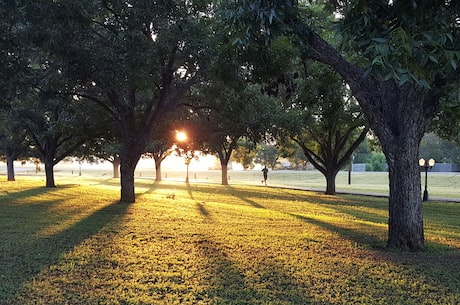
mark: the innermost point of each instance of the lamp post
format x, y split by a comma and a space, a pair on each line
426, 164
187, 162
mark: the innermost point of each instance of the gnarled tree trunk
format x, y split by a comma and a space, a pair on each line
224, 154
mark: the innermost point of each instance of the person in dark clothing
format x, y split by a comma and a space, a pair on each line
265, 173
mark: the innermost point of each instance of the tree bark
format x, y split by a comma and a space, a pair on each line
158, 169
405, 223
330, 181
127, 168
49, 173
224, 171
10, 168
224, 157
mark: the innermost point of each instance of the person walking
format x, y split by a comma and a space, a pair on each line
265, 173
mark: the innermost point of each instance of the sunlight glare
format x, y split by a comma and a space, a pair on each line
181, 136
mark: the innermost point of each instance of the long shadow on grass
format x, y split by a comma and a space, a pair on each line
23, 259
357, 236
189, 190
16, 196
239, 194
230, 285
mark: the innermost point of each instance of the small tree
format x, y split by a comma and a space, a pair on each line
267, 155
57, 128
324, 120
13, 141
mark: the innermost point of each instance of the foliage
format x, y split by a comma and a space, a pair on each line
245, 153
13, 139
376, 162
215, 244
324, 120
401, 41
446, 123
135, 61
267, 155
439, 149
227, 114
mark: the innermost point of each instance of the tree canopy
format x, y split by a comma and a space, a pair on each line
139, 61
398, 63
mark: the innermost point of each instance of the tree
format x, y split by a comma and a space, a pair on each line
294, 153
13, 141
56, 128
443, 151
134, 60
235, 115
403, 60
267, 154
105, 147
14, 68
446, 123
326, 122
376, 162
162, 145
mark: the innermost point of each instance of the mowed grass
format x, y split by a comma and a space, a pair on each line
211, 244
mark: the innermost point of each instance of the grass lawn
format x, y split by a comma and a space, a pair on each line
209, 244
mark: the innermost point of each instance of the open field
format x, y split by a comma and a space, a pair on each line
203, 243
440, 185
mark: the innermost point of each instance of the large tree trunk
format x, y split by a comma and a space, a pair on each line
10, 168
400, 122
158, 168
224, 157
131, 151
128, 166
49, 172
330, 181
224, 171
405, 224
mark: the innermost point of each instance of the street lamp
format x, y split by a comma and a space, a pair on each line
426, 164
187, 162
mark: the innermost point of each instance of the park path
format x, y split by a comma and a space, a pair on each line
443, 199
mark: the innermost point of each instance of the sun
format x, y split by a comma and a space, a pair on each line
181, 136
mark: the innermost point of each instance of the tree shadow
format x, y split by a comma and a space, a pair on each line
189, 190
437, 269
202, 209
239, 195
15, 197
359, 237
24, 258
230, 285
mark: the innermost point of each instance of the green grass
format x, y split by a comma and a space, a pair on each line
241, 244
440, 185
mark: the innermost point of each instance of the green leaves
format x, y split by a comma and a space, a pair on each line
401, 43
